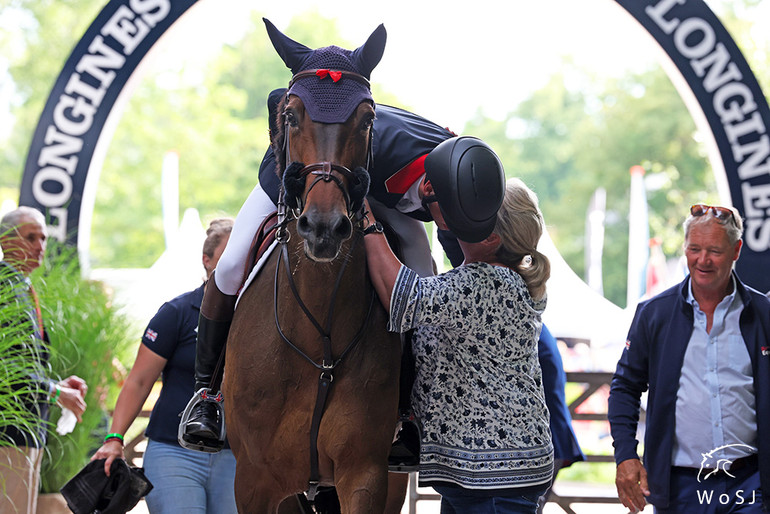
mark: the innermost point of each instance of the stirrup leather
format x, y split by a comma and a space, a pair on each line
202, 444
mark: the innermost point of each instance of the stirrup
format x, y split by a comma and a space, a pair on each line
411, 462
202, 444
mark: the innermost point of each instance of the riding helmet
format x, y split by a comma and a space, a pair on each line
469, 184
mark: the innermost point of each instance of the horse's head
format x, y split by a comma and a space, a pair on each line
322, 137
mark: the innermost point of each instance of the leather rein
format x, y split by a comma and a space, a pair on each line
324, 171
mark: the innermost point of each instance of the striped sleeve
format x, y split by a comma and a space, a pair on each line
404, 300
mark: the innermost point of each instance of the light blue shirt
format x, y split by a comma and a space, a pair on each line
715, 404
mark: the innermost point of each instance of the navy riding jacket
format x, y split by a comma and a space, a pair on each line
399, 139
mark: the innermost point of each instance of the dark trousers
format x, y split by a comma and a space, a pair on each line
718, 494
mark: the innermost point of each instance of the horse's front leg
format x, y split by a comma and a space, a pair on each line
363, 489
256, 492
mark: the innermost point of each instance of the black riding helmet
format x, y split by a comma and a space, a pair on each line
469, 184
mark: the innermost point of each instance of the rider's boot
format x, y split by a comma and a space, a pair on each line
205, 419
405, 452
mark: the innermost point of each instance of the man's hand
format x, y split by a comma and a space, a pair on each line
73, 392
631, 482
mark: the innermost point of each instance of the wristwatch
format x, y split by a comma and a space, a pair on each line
373, 228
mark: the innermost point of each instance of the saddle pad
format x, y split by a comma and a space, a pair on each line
255, 270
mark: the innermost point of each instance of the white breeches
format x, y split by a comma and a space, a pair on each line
229, 273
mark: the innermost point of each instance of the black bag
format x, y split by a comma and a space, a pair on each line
93, 492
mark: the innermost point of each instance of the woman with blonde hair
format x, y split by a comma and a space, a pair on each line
478, 395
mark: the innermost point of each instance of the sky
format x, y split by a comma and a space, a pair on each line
447, 59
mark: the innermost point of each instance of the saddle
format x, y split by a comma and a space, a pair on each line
263, 238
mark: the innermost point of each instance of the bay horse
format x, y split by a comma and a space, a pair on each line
311, 373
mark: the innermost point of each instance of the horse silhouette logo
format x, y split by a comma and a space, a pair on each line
711, 463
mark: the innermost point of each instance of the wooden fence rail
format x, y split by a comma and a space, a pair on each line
590, 381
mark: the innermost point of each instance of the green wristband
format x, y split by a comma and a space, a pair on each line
56, 394
114, 435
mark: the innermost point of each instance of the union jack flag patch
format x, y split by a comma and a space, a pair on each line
628, 344
151, 335
765, 350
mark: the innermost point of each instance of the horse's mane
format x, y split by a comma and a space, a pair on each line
278, 136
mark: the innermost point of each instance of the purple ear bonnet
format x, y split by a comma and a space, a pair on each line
328, 96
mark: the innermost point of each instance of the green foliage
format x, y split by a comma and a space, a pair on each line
564, 144
88, 335
37, 43
20, 360
574, 134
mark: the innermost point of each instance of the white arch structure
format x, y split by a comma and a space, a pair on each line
705, 64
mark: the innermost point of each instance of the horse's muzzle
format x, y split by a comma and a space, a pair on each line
323, 234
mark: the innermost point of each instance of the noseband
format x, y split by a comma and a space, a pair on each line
294, 183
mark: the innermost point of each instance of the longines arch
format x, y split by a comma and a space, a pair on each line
713, 77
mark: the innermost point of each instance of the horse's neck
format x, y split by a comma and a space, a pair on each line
316, 281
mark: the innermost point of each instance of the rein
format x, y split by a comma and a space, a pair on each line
323, 172
329, 363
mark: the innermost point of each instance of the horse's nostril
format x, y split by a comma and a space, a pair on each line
343, 228
303, 225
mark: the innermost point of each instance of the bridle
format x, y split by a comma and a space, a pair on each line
323, 172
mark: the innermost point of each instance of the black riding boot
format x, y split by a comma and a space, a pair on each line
405, 451
205, 420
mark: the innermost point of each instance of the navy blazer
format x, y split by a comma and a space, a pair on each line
653, 358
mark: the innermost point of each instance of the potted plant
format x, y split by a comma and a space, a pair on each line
89, 338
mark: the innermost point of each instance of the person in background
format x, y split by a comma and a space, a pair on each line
566, 448
478, 393
700, 349
184, 480
23, 239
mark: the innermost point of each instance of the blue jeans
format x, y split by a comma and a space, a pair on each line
455, 500
189, 481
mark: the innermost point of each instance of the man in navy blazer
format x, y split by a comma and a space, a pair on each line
702, 350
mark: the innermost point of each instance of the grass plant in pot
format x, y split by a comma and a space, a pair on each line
90, 338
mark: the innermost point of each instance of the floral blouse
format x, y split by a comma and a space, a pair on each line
478, 392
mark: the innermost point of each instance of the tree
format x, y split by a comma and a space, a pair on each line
565, 143
39, 36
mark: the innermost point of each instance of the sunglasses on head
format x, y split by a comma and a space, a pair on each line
720, 213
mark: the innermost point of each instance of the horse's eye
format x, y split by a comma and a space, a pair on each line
367, 123
290, 118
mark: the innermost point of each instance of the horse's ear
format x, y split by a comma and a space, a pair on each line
368, 55
292, 53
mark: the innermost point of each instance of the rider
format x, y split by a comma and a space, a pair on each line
401, 194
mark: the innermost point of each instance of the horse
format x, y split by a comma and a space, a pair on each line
311, 373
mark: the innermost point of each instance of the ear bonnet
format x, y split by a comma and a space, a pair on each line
330, 81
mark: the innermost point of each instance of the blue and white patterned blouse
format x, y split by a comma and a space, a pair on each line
478, 392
